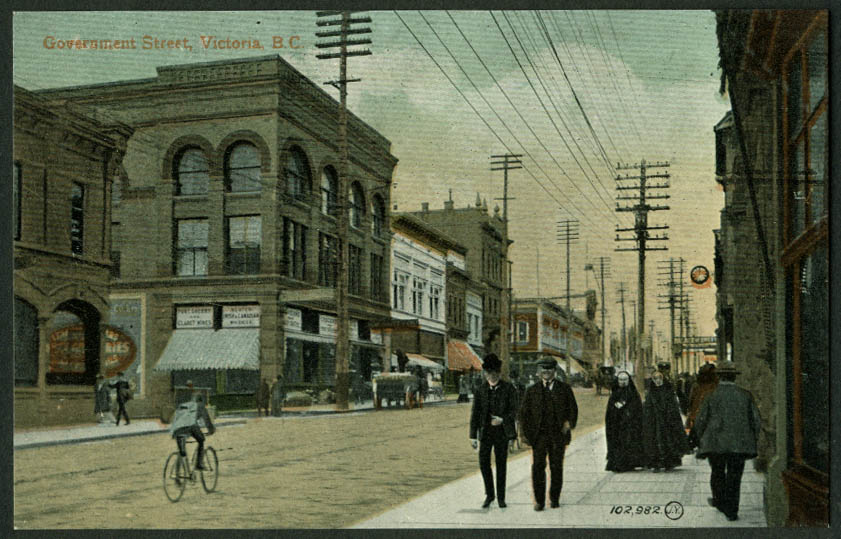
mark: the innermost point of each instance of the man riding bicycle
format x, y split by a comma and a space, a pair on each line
189, 418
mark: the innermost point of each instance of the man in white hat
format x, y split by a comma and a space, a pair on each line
727, 428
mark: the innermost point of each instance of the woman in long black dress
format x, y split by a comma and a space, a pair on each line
623, 426
664, 438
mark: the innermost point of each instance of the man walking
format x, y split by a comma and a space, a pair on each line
123, 395
492, 426
547, 416
727, 428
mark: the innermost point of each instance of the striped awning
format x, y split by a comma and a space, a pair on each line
419, 360
460, 357
194, 349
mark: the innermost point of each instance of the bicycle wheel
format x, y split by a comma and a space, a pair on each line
175, 477
210, 474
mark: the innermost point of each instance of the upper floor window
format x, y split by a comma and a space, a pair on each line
298, 174
242, 169
294, 249
328, 252
244, 240
357, 205
399, 284
435, 302
378, 216
329, 191
191, 247
192, 173
77, 219
16, 199
418, 291
377, 268
354, 270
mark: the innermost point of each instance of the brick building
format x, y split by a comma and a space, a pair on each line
772, 250
226, 228
486, 264
64, 164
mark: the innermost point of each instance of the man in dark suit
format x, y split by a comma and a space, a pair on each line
727, 428
123, 395
547, 416
492, 426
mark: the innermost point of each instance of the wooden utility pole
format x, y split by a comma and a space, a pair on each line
568, 233
622, 291
641, 232
509, 162
344, 22
604, 271
669, 301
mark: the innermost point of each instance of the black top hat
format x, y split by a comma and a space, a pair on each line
547, 363
664, 366
492, 363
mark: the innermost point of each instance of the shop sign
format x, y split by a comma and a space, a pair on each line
293, 319
241, 316
327, 325
376, 337
120, 351
67, 350
194, 317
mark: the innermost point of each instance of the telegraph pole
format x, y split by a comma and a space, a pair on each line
641, 229
622, 291
604, 271
344, 22
509, 162
568, 232
669, 301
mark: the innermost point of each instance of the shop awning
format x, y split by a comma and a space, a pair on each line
419, 360
461, 357
194, 349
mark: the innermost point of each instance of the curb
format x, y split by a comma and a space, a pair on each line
34, 445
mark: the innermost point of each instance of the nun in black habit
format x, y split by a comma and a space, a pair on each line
623, 426
664, 437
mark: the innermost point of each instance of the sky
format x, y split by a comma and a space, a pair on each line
450, 89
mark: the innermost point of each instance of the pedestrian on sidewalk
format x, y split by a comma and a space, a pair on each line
102, 398
623, 426
728, 428
262, 397
664, 438
463, 388
123, 396
706, 384
547, 416
278, 396
492, 426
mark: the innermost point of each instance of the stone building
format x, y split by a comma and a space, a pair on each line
772, 247
486, 263
226, 227
64, 164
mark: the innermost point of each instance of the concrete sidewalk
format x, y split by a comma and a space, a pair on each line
591, 497
88, 433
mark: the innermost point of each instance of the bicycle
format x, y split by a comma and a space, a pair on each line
178, 470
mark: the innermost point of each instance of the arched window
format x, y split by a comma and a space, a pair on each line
26, 344
357, 205
329, 191
242, 169
298, 180
377, 215
192, 174
73, 345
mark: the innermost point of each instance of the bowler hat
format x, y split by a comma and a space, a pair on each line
547, 363
492, 363
726, 367
664, 366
